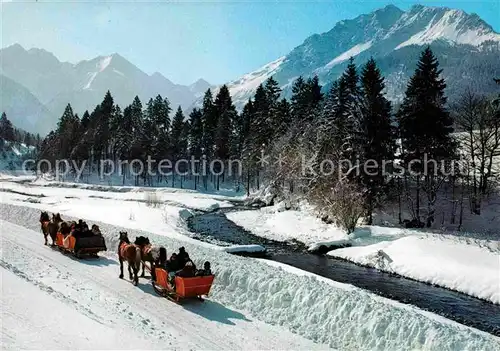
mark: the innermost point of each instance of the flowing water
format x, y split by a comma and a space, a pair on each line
214, 227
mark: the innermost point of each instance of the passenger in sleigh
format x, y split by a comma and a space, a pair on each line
172, 266
188, 271
205, 271
96, 230
182, 257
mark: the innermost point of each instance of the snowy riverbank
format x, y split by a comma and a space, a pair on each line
331, 314
464, 264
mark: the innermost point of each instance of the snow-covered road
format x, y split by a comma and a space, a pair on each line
254, 304
53, 301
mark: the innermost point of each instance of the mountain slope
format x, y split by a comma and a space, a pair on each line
465, 45
23, 108
55, 83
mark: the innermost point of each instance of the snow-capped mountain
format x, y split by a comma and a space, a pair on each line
54, 84
199, 87
467, 48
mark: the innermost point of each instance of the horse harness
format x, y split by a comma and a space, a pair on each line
123, 248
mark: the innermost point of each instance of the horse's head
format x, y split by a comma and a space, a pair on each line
124, 237
56, 218
44, 216
142, 241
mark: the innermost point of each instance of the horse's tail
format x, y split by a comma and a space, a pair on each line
138, 257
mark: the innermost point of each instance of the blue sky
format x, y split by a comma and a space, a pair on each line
187, 40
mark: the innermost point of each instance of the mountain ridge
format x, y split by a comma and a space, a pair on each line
386, 34
467, 48
83, 84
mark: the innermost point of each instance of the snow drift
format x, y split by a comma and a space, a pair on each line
340, 316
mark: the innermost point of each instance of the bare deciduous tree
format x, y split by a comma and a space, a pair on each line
479, 122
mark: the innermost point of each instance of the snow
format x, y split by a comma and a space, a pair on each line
246, 294
251, 81
252, 305
448, 27
24, 324
439, 260
173, 196
92, 76
243, 248
244, 87
83, 305
468, 265
118, 72
274, 224
354, 51
101, 66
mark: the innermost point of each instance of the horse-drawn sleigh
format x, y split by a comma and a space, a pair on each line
75, 238
170, 285
72, 237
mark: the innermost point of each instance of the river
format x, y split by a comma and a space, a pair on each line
214, 227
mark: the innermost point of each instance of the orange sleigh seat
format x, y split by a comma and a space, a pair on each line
71, 242
59, 239
162, 277
193, 287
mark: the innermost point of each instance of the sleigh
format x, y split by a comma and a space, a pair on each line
81, 246
184, 288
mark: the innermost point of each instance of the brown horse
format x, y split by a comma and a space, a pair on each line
64, 227
130, 253
49, 227
45, 224
155, 255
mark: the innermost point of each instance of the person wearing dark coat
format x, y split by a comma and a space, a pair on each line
182, 257
173, 263
205, 271
188, 271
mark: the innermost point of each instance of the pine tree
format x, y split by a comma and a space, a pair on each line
196, 133
177, 134
225, 134
282, 119
161, 126
67, 133
6, 128
376, 133
137, 129
85, 122
299, 100
306, 97
125, 135
260, 128
210, 119
244, 132
426, 127
315, 91
351, 79
102, 137
273, 93
114, 127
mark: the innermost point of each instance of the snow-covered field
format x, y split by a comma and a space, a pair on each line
254, 304
441, 260
464, 264
278, 224
52, 301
